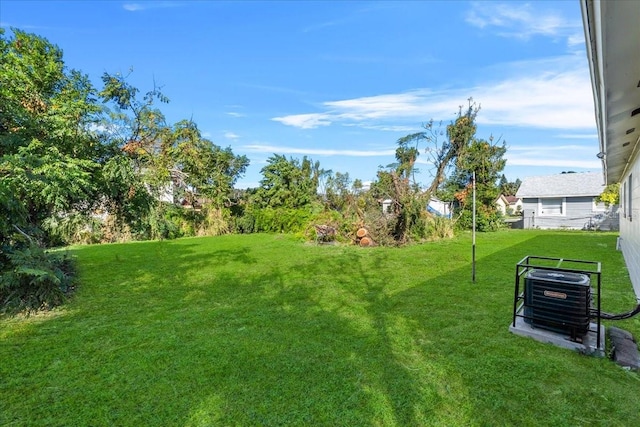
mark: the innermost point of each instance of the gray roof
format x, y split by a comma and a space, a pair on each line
562, 185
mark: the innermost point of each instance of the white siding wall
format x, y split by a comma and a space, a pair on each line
630, 228
166, 193
576, 215
517, 205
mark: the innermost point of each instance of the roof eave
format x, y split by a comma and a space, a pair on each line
592, 19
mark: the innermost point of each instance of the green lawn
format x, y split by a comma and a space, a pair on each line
266, 330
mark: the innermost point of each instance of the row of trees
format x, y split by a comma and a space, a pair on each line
69, 152
79, 164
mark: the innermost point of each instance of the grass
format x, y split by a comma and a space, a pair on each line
266, 330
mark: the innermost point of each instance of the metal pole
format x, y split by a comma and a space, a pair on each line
473, 238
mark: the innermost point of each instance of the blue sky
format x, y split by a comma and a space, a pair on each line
341, 81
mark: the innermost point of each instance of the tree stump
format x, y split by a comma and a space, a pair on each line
363, 238
365, 241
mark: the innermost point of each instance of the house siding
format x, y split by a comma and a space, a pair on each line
630, 227
517, 206
577, 215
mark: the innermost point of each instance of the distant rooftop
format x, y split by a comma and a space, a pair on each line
563, 185
512, 199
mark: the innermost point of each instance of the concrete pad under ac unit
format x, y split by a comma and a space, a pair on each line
587, 346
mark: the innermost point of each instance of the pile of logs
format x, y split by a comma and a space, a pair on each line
363, 238
327, 234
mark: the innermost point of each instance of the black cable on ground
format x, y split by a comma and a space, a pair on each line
621, 316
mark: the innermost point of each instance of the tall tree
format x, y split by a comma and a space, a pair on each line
48, 158
207, 169
459, 133
288, 183
137, 129
398, 183
162, 155
47, 153
486, 160
443, 148
338, 191
509, 188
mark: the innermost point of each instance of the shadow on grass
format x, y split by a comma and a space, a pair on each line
435, 353
254, 334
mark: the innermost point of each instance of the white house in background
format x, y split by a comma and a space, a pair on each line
386, 205
435, 206
566, 200
515, 203
167, 193
612, 32
439, 208
509, 205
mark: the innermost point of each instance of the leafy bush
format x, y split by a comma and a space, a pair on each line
486, 220
344, 227
438, 227
217, 221
33, 279
161, 225
73, 228
185, 221
280, 220
244, 223
114, 230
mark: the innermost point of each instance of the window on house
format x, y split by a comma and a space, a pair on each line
623, 199
551, 206
630, 197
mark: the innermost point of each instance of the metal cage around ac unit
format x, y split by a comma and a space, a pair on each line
558, 295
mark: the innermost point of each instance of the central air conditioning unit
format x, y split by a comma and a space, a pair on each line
559, 301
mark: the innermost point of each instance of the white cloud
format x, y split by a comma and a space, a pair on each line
380, 106
516, 160
146, 5
259, 148
547, 148
234, 114
392, 128
556, 100
576, 39
132, 7
231, 135
577, 136
365, 112
521, 20
548, 94
305, 121
580, 156
246, 184
103, 128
